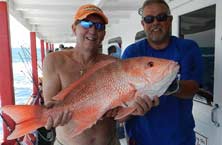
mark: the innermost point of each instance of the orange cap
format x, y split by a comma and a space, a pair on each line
89, 9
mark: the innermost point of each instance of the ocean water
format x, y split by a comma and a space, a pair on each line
22, 74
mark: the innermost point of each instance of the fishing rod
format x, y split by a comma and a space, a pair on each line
30, 78
28, 71
27, 57
29, 54
27, 66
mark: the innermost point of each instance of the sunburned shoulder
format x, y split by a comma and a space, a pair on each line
56, 57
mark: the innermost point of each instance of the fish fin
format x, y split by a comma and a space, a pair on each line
62, 94
124, 112
25, 127
26, 117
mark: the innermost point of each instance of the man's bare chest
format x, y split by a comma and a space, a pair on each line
70, 75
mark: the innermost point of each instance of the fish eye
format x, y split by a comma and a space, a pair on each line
150, 64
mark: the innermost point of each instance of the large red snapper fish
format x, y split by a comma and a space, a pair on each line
107, 85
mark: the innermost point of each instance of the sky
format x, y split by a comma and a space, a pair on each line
20, 36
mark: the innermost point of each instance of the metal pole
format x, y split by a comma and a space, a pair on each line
34, 62
6, 74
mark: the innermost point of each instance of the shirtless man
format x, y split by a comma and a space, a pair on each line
64, 67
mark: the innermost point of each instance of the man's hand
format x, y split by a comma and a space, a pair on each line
112, 113
144, 104
61, 118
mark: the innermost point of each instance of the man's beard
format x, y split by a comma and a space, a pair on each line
158, 38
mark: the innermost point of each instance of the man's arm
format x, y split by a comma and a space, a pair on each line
191, 70
51, 81
51, 86
187, 89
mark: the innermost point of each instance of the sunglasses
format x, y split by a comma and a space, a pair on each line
87, 24
159, 18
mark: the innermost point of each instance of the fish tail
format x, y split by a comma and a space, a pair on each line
27, 118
